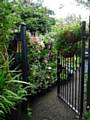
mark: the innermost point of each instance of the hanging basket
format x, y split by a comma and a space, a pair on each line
70, 37
67, 53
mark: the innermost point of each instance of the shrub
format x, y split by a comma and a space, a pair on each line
67, 38
87, 115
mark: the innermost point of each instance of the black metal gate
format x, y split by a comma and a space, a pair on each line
70, 75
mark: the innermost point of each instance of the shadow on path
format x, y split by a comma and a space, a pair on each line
49, 107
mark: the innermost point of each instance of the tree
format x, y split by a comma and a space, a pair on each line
8, 20
36, 16
72, 18
86, 3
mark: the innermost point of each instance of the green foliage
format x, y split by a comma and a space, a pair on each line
35, 15
11, 89
42, 61
37, 19
8, 20
66, 33
67, 39
29, 112
11, 86
41, 56
87, 115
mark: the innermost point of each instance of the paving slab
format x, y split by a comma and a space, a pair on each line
50, 107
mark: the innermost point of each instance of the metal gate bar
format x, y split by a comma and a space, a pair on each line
70, 76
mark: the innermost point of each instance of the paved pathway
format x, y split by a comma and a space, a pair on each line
49, 107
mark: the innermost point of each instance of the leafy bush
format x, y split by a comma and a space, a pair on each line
11, 89
8, 21
42, 61
67, 35
87, 115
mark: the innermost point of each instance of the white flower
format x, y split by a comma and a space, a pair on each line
49, 68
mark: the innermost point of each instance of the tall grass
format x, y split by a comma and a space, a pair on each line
11, 88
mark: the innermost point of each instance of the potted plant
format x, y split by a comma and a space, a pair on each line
72, 32
69, 51
67, 38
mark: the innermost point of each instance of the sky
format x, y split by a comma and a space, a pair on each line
69, 7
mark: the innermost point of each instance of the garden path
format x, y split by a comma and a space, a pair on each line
49, 107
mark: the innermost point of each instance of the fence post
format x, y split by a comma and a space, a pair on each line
88, 82
83, 28
24, 64
24, 52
